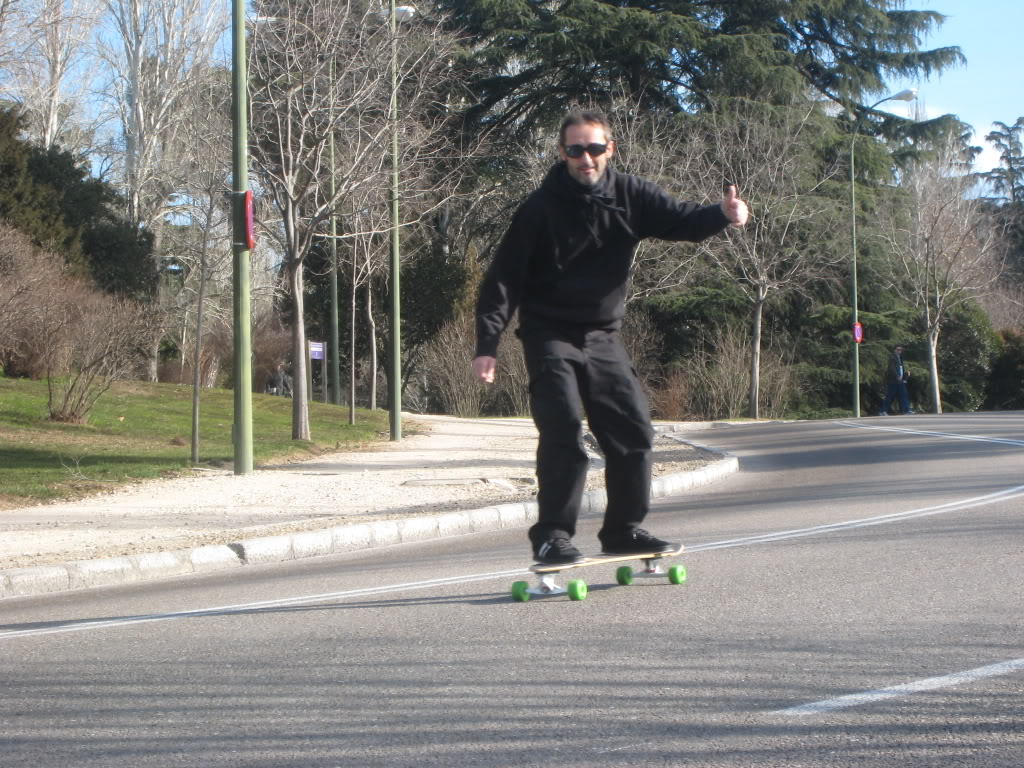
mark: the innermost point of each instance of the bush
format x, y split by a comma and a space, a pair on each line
446, 375
715, 382
32, 287
93, 340
1004, 389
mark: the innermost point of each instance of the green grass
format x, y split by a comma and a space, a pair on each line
139, 430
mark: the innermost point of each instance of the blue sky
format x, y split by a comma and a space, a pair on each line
989, 87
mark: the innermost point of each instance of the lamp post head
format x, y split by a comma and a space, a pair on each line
404, 13
908, 94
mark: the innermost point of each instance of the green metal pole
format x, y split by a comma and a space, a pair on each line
241, 432
396, 317
853, 277
335, 352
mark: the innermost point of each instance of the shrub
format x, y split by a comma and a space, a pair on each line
94, 339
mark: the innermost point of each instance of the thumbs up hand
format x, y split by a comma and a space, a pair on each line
734, 209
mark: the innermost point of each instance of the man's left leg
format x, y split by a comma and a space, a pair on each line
619, 417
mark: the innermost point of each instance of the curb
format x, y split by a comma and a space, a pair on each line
85, 574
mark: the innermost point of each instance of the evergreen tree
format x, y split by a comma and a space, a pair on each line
528, 60
1008, 179
49, 196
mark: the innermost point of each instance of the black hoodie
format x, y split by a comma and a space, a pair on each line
566, 257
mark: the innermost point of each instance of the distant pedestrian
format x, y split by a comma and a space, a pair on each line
896, 377
279, 382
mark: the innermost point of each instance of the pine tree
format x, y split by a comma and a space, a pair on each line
528, 60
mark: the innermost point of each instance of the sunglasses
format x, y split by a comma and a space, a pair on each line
575, 151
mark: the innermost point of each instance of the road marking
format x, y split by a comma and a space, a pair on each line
901, 691
947, 435
941, 509
85, 624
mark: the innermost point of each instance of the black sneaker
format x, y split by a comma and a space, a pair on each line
558, 550
636, 541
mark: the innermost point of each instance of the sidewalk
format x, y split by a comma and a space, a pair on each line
447, 476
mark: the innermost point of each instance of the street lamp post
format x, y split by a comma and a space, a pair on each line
905, 95
241, 432
398, 14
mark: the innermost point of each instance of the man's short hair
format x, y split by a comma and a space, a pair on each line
584, 117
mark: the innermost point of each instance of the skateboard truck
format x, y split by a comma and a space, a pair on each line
546, 585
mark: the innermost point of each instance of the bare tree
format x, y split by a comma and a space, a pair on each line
946, 247
12, 24
199, 242
325, 71
790, 240
654, 147
154, 50
54, 73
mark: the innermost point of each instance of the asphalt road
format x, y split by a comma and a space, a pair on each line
854, 599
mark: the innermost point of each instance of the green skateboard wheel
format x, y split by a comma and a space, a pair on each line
677, 574
521, 591
624, 575
577, 589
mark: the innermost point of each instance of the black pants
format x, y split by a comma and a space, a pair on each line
587, 371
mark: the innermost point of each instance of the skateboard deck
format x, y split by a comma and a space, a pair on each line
577, 588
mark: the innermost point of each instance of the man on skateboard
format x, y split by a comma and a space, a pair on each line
564, 263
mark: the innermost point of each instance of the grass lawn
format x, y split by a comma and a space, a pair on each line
141, 430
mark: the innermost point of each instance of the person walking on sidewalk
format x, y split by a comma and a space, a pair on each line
565, 262
896, 376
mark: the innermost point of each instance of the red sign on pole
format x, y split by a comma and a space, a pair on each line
250, 229
858, 332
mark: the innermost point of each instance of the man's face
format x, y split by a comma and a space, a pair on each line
586, 170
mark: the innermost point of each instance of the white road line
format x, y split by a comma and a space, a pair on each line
907, 689
940, 509
86, 624
925, 433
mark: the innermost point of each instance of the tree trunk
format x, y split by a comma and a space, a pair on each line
300, 404
197, 358
933, 370
373, 346
755, 356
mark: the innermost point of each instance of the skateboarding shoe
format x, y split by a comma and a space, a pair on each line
557, 550
635, 541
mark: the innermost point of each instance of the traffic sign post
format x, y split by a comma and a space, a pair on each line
317, 352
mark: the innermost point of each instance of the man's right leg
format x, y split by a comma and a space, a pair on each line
904, 398
561, 458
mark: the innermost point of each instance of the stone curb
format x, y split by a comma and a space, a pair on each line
84, 574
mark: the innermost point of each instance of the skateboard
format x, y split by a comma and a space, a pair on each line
576, 589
